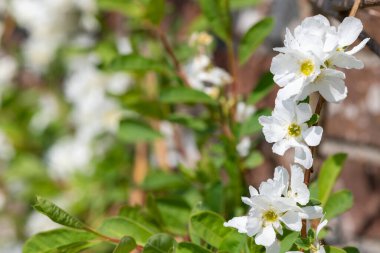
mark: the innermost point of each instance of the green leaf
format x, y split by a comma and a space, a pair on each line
134, 62
129, 8
252, 126
127, 244
313, 202
155, 11
209, 226
313, 120
185, 95
328, 175
288, 241
161, 180
331, 249
233, 243
338, 203
56, 214
254, 37
52, 240
133, 131
120, 227
351, 249
188, 247
188, 121
160, 243
254, 160
303, 243
262, 89
218, 16
239, 4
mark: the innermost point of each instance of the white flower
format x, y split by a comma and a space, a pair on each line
287, 128
297, 189
48, 111
7, 150
305, 64
244, 111
67, 156
8, 68
202, 75
244, 146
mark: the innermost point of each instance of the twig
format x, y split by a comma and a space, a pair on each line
355, 8
170, 51
235, 78
346, 5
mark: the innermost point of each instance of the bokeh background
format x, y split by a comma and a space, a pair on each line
59, 112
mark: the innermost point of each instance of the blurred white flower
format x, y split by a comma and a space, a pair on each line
8, 68
67, 156
202, 75
37, 223
244, 146
244, 111
7, 150
47, 112
287, 128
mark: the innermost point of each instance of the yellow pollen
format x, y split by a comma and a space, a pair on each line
307, 67
294, 130
270, 216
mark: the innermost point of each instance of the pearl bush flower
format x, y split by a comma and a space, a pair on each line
307, 60
275, 205
287, 128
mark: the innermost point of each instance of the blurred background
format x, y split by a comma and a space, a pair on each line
60, 112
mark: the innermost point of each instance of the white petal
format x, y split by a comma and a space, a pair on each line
302, 155
303, 112
271, 188
253, 191
335, 92
274, 248
253, 226
299, 190
271, 130
281, 175
347, 61
240, 223
306, 91
311, 212
320, 226
313, 135
349, 31
246, 201
281, 147
358, 47
266, 237
292, 220
291, 89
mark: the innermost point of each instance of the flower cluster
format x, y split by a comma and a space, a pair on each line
274, 204
306, 64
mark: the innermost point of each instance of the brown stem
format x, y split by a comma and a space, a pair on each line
235, 79
355, 8
168, 48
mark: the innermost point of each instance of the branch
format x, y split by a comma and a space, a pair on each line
346, 5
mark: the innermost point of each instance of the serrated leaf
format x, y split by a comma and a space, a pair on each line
53, 240
254, 37
218, 16
161, 180
120, 227
160, 243
338, 203
185, 95
134, 62
303, 243
262, 89
328, 175
133, 131
56, 214
233, 243
209, 226
127, 244
188, 247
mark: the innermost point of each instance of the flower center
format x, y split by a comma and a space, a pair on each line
294, 130
270, 216
307, 67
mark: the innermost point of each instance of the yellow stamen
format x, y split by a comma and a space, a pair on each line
307, 67
294, 130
